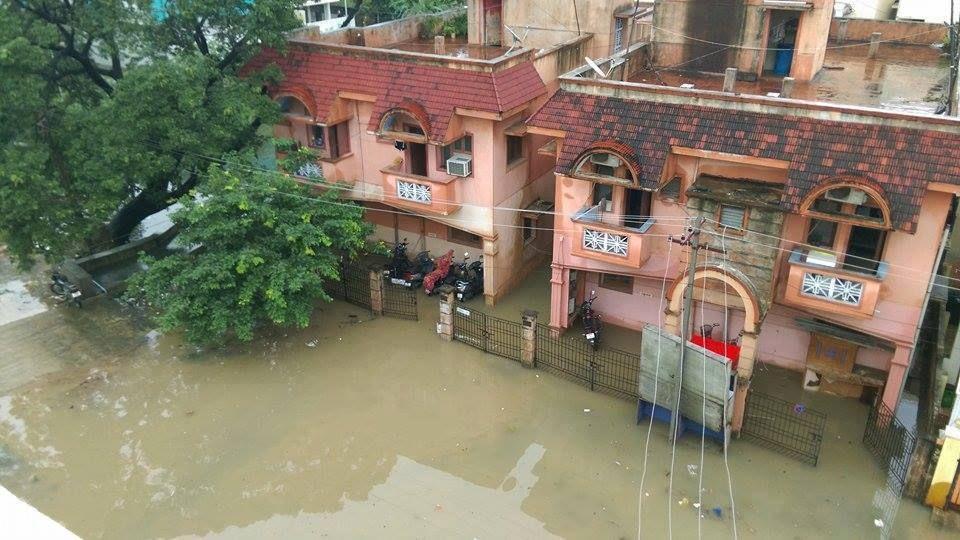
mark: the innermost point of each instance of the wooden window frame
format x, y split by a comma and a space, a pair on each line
453, 233
523, 150
532, 228
602, 285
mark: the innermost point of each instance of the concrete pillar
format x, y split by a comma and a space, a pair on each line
439, 45
874, 45
558, 299
671, 323
376, 290
748, 357
447, 300
739, 404
730, 80
786, 90
842, 30
899, 365
528, 351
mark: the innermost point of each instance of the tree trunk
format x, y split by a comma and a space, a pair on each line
147, 203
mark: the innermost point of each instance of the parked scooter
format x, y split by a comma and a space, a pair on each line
406, 274
471, 283
592, 325
436, 278
63, 290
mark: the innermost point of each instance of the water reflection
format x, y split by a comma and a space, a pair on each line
418, 501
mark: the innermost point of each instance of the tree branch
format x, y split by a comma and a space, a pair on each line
200, 38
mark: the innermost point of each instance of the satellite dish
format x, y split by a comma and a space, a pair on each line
517, 39
593, 65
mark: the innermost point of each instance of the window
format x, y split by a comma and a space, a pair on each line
671, 190
603, 193
734, 217
617, 34
822, 233
337, 11
338, 140
849, 202
637, 208
609, 166
514, 149
401, 125
317, 136
465, 238
529, 230
462, 146
616, 282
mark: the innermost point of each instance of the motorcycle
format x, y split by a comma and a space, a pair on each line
471, 283
404, 273
436, 278
592, 325
63, 290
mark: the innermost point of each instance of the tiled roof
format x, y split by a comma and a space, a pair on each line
900, 160
437, 89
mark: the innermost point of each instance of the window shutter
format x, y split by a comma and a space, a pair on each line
732, 216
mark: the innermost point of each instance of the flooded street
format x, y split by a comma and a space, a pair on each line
367, 428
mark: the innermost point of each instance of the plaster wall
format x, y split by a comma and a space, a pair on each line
905, 32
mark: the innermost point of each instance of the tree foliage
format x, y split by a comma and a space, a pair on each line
266, 247
112, 110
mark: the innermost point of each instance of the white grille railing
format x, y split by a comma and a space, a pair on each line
605, 242
833, 288
412, 191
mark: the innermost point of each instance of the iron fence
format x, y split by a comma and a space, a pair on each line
611, 371
891, 443
400, 301
791, 429
354, 285
488, 333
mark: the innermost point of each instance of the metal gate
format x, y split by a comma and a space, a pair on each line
789, 428
400, 301
355, 285
488, 333
607, 370
891, 443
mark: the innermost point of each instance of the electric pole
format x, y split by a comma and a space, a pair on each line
954, 62
691, 239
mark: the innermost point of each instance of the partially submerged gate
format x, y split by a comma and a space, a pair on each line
791, 429
400, 301
488, 333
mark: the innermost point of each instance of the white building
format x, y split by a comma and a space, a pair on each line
864, 9
325, 15
931, 11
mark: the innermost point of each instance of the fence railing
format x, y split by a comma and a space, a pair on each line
791, 429
400, 301
488, 333
891, 443
607, 370
356, 286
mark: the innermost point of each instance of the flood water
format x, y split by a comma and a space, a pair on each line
360, 428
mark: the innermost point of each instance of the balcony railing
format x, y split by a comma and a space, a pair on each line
814, 283
609, 242
420, 193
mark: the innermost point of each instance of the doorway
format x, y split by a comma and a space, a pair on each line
864, 249
417, 158
782, 27
637, 208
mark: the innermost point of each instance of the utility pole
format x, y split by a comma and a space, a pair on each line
954, 62
691, 239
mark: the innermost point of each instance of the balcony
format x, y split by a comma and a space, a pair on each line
815, 282
609, 242
420, 194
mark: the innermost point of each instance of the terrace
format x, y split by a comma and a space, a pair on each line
907, 78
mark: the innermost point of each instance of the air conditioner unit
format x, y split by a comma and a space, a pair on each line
608, 160
459, 165
847, 195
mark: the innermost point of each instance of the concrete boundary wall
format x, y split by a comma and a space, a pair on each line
905, 32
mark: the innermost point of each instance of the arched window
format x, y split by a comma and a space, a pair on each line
400, 124
605, 166
846, 227
331, 141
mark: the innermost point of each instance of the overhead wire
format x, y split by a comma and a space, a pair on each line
726, 430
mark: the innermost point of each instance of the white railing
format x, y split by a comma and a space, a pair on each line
412, 191
833, 288
605, 242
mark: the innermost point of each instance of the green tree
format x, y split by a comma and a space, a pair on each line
264, 250
111, 109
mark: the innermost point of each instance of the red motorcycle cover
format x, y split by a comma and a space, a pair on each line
439, 273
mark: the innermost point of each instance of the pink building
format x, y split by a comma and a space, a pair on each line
429, 137
832, 219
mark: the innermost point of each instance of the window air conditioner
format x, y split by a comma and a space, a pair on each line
459, 165
847, 195
608, 160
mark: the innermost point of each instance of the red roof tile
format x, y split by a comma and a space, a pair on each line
394, 83
900, 160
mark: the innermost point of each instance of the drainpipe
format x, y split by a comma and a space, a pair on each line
923, 311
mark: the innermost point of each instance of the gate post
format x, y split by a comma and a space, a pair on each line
376, 290
447, 299
528, 334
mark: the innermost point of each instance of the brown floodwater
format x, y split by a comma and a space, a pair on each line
360, 428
